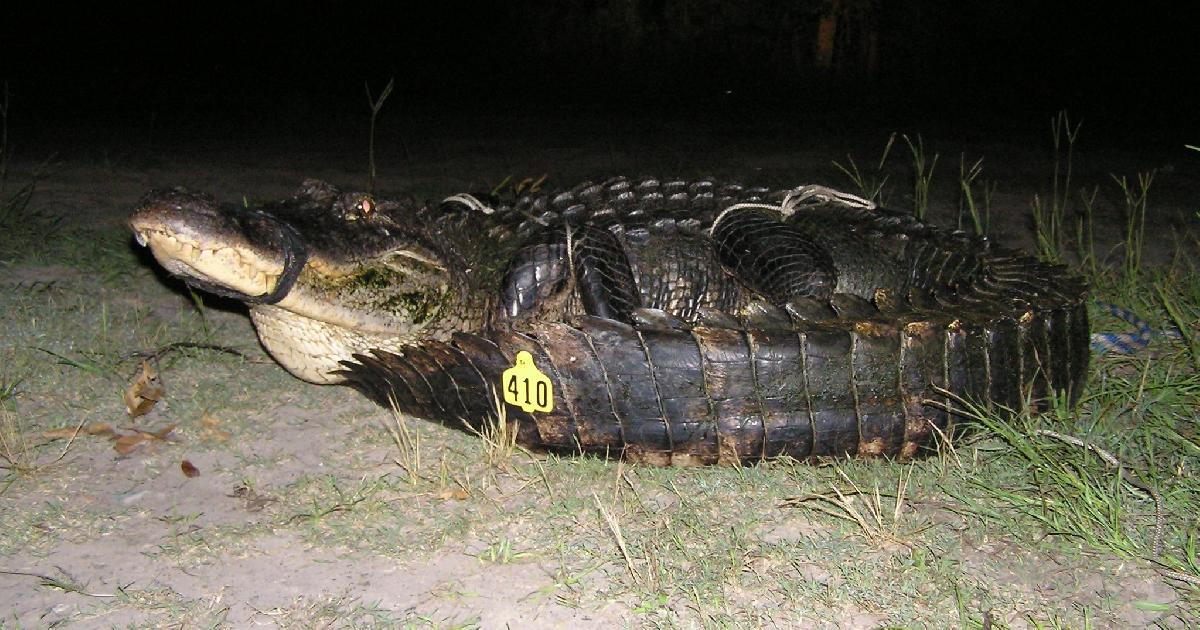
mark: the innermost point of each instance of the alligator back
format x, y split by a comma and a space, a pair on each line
698, 358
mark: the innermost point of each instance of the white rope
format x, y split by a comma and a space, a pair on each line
814, 195
799, 198
739, 206
470, 201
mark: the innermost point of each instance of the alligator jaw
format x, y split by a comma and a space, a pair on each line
230, 268
192, 238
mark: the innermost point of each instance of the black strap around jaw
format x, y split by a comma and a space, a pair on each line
295, 256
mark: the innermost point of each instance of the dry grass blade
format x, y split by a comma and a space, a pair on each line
14, 447
498, 434
614, 527
66, 583
408, 444
1128, 476
18, 453
878, 524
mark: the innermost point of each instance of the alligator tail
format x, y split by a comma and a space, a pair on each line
664, 392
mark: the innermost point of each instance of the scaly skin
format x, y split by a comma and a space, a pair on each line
686, 395
737, 323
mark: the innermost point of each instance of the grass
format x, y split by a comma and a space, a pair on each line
1013, 527
975, 199
871, 185
923, 167
375, 104
25, 229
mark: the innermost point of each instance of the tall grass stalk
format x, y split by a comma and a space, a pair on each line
922, 175
1067, 490
408, 444
499, 436
1136, 197
1085, 240
870, 185
979, 210
375, 104
1049, 218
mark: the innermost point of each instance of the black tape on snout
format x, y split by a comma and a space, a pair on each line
295, 255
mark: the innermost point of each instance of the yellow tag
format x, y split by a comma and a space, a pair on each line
526, 387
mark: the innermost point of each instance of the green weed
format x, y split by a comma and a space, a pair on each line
869, 185
974, 203
1049, 216
923, 168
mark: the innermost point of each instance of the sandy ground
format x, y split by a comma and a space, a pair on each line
130, 531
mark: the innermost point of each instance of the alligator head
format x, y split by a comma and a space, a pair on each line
325, 274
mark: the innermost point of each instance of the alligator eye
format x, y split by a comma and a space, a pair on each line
367, 206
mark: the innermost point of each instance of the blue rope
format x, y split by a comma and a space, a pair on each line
1128, 342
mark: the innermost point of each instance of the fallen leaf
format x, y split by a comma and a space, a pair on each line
95, 428
458, 494
145, 391
162, 433
99, 428
126, 444
189, 469
212, 428
60, 434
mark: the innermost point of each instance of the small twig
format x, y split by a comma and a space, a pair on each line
376, 104
1127, 476
158, 353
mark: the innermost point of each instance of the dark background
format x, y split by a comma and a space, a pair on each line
1129, 69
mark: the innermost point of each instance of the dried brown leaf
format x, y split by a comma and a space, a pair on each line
126, 444
60, 434
99, 428
162, 433
189, 469
457, 494
144, 392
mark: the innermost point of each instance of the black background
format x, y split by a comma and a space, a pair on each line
1129, 68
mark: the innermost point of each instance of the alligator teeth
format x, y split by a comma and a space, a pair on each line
141, 237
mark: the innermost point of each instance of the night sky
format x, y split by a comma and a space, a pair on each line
201, 64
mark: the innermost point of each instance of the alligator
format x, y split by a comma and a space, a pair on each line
664, 321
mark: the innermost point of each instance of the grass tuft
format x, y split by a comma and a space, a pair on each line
408, 444
1136, 199
498, 435
923, 168
869, 185
1049, 216
972, 202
